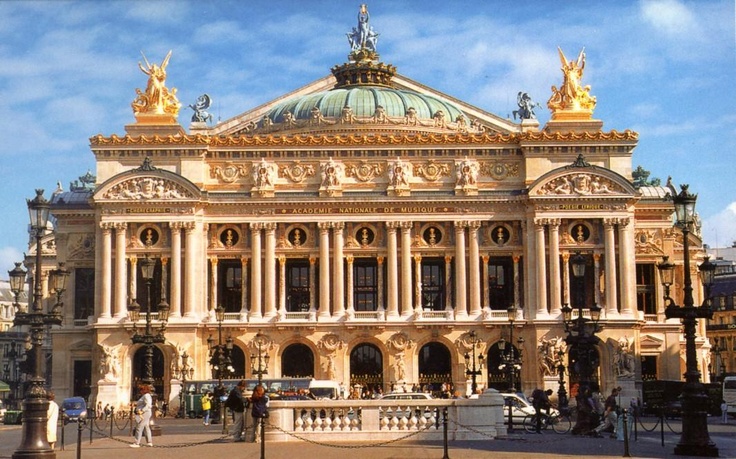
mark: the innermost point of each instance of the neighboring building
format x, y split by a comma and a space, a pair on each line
722, 328
365, 224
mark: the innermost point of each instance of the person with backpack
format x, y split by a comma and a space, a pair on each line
259, 411
237, 404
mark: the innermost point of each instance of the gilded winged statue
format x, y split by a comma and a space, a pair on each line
572, 95
157, 99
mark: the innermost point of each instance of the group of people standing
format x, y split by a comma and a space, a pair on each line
238, 404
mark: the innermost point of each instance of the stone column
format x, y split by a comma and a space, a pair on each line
554, 267
175, 299
282, 286
338, 291
627, 255
133, 280
269, 280
214, 280
392, 310
566, 277
597, 278
610, 266
312, 288
190, 269
244, 290
379, 296
461, 292
448, 284
324, 270
418, 283
406, 280
486, 291
350, 286
121, 272
106, 274
517, 281
255, 278
541, 272
474, 268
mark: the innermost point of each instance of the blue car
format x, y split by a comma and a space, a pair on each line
74, 409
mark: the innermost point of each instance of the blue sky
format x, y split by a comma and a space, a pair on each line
664, 68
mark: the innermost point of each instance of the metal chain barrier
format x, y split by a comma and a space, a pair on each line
641, 424
670, 427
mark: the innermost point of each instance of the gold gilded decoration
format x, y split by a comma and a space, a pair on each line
296, 172
363, 171
158, 99
332, 173
263, 174
141, 188
572, 96
466, 177
398, 177
499, 170
432, 170
228, 172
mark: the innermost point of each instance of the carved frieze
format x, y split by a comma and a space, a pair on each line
228, 172
141, 188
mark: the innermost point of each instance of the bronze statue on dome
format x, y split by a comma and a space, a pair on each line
157, 99
363, 39
572, 95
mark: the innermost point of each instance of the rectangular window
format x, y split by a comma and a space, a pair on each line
297, 285
500, 283
433, 284
365, 285
229, 284
645, 291
84, 293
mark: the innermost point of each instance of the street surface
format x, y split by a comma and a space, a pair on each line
189, 439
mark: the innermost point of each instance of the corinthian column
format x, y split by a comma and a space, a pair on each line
628, 272
554, 268
175, 299
338, 292
324, 270
461, 302
106, 271
190, 269
255, 279
269, 281
406, 280
541, 274
121, 272
392, 268
474, 268
610, 266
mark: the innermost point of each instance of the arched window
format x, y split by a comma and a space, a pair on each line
297, 361
366, 366
435, 367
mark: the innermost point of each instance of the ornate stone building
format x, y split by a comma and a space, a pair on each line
365, 224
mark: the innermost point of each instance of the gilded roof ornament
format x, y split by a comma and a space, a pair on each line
158, 99
572, 100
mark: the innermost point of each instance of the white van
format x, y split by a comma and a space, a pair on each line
323, 389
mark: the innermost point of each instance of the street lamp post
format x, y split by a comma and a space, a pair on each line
221, 363
184, 374
581, 339
695, 440
562, 400
148, 338
259, 367
473, 363
511, 358
33, 442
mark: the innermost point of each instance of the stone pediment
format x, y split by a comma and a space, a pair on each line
581, 179
147, 183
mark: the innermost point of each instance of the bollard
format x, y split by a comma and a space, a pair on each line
661, 427
112, 420
444, 432
511, 417
63, 425
91, 427
626, 433
263, 437
80, 427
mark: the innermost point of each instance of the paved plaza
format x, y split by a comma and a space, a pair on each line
189, 439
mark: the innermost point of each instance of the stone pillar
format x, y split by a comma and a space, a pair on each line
566, 277
338, 291
190, 269
214, 279
555, 294
133, 279
474, 268
461, 302
121, 272
541, 271
269, 280
597, 278
255, 278
324, 270
418, 284
392, 310
448, 283
627, 256
106, 274
517, 281
282, 286
406, 280
610, 266
379, 296
244, 290
350, 286
175, 299
312, 288
486, 291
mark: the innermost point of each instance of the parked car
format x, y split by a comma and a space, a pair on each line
2, 411
74, 408
521, 408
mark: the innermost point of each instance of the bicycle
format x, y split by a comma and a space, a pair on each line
560, 422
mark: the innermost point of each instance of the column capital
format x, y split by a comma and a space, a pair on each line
417, 257
176, 225
405, 225
255, 227
244, 261
164, 261
270, 227
379, 260
460, 225
133, 259
189, 226
448, 259
120, 226
609, 222
214, 261
393, 225
554, 222
350, 259
324, 226
107, 227
474, 224
565, 256
540, 223
282, 260
338, 226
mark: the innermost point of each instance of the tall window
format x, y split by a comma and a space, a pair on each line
84, 293
297, 285
645, 298
365, 285
156, 287
230, 285
433, 284
500, 283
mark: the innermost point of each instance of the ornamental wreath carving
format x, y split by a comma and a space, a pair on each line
400, 341
330, 343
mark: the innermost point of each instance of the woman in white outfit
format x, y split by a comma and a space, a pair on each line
143, 412
52, 417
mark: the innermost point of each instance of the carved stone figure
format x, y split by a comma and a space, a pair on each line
400, 367
549, 355
526, 107
110, 362
200, 109
624, 359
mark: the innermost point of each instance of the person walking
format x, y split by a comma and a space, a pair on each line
237, 404
143, 412
207, 406
52, 419
259, 402
724, 412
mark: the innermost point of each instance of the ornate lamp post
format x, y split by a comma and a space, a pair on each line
581, 336
17, 281
221, 365
511, 358
148, 338
184, 374
33, 442
473, 363
259, 367
695, 440
562, 400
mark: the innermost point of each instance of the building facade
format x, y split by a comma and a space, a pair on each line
369, 230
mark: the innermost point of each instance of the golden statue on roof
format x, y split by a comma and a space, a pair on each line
572, 96
158, 99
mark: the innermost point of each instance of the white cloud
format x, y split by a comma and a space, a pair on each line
720, 229
8, 257
670, 17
